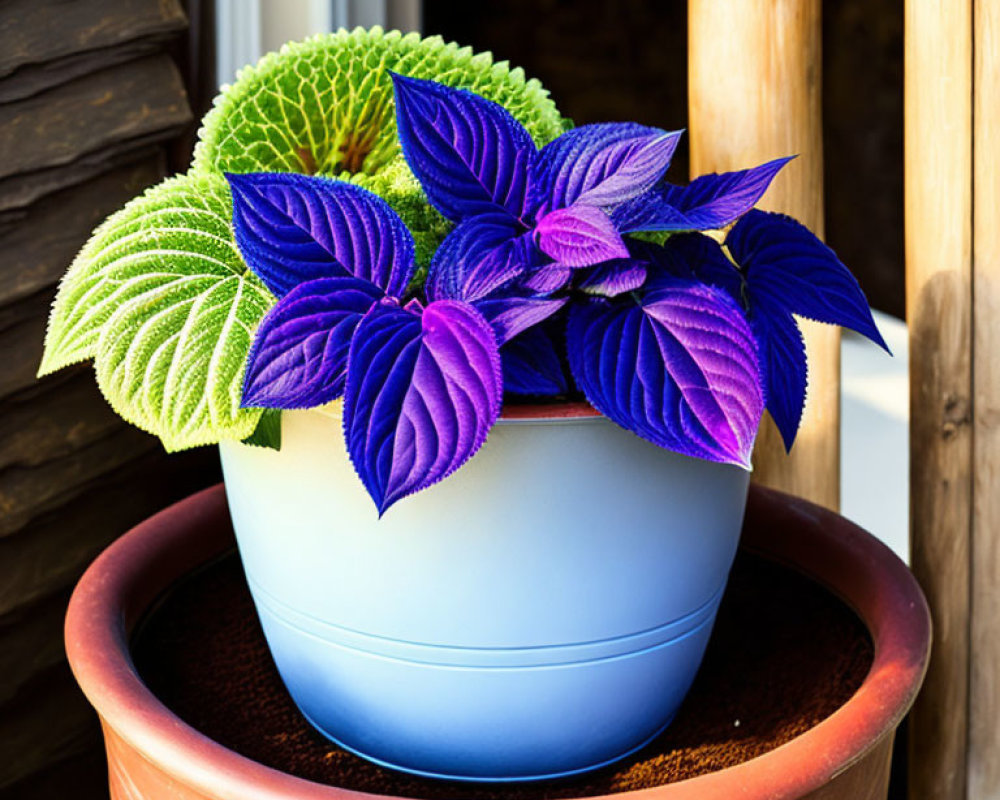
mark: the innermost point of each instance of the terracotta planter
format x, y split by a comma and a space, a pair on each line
153, 754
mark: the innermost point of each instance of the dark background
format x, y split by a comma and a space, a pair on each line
99, 98
612, 61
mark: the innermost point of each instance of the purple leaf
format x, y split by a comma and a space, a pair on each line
423, 390
784, 263
531, 364
299, 354
579, 236
469, 154
295, 228
783, 362
707, 203
479, 256
548, 278
601, 165
615, 277
694, 256
680, 369
513, 314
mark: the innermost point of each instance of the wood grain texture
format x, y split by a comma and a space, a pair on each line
48, 720
17, 192
755, 94
115, 105
984, 675
50, 552
46, 31
31, 79
31, 490
31, 643
46, 236
38, 241
938, 212
75, 417
89, 100
22, 331
43, 717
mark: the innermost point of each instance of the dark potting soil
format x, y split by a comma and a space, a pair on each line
784, 655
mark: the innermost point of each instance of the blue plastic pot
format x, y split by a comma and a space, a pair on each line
540, 613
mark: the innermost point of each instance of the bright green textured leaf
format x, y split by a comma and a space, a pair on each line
160, 298
162, 301
325, 106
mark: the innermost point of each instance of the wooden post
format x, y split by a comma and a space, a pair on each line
754, 81
938, 175
984, 676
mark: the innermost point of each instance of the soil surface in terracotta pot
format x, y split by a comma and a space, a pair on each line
799, 699
785, 655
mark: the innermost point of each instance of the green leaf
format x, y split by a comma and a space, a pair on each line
268, 430
325, 106
162, 301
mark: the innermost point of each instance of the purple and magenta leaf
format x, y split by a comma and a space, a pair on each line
780, 348
510, 315
548, 278
423, 391
616, 277
299, 354
479, 256
296, 228
707, 203
679, 369
469, 154
601, 165
531, 364
784, 262
697, 257
579, 236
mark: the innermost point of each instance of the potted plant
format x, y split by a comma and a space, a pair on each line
383, 243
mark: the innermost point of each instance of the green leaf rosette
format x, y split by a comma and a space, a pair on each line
160, 297
325, 107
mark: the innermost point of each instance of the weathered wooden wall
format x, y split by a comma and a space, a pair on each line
91, 103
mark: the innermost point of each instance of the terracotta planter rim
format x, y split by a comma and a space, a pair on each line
126, 579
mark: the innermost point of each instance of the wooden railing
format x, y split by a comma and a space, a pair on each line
759, 62
938, 147
984, 618
755, 86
